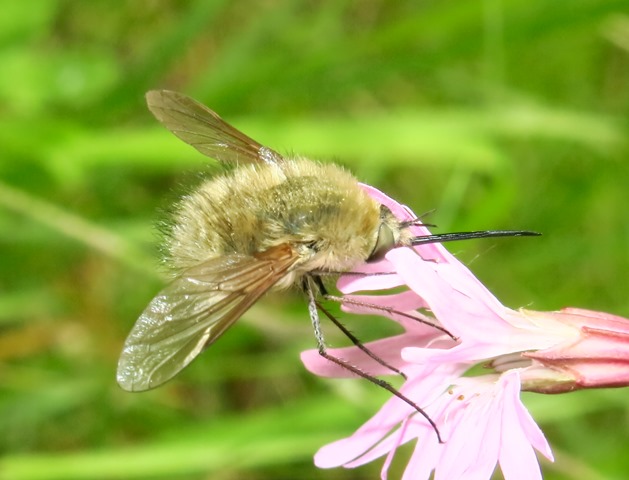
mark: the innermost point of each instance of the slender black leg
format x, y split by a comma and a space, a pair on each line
342, 300
358, 343
380, 308
316, 325
323, 291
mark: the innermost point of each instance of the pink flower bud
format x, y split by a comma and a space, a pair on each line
597, 357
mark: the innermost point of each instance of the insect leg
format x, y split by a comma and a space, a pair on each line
358, 343
316, 325
349, 334
342, 300
389, 310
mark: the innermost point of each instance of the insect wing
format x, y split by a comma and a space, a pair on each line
202, 128
193, 311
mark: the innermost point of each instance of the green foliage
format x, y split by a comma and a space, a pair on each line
496, 114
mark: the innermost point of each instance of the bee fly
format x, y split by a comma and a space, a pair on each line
268, 223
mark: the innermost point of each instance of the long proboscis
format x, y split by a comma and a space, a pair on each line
454, 236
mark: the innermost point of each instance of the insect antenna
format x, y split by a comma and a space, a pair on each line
313, 309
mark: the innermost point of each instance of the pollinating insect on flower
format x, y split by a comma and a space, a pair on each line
270, 222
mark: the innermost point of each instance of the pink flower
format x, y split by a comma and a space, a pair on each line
481, 419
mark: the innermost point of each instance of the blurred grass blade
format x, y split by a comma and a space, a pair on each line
278, 436
75, 227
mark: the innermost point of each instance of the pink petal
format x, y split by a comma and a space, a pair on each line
517, 458
367, 442
404, 301
426, 388
344, 451
416, 429
472, 450
388, 349
348, 283
533, 433
422, 462
619, 323
463, 315
401, 306
387, 462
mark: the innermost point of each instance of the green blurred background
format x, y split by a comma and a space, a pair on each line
498, 114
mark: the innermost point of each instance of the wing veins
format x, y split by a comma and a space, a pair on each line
195, 310
189, 120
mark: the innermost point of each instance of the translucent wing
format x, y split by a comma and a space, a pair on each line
202, 128
193, 311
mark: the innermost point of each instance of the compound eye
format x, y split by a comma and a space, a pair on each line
384, 243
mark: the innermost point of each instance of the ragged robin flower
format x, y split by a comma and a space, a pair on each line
480, 417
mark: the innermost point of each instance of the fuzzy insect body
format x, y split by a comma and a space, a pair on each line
268, 223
